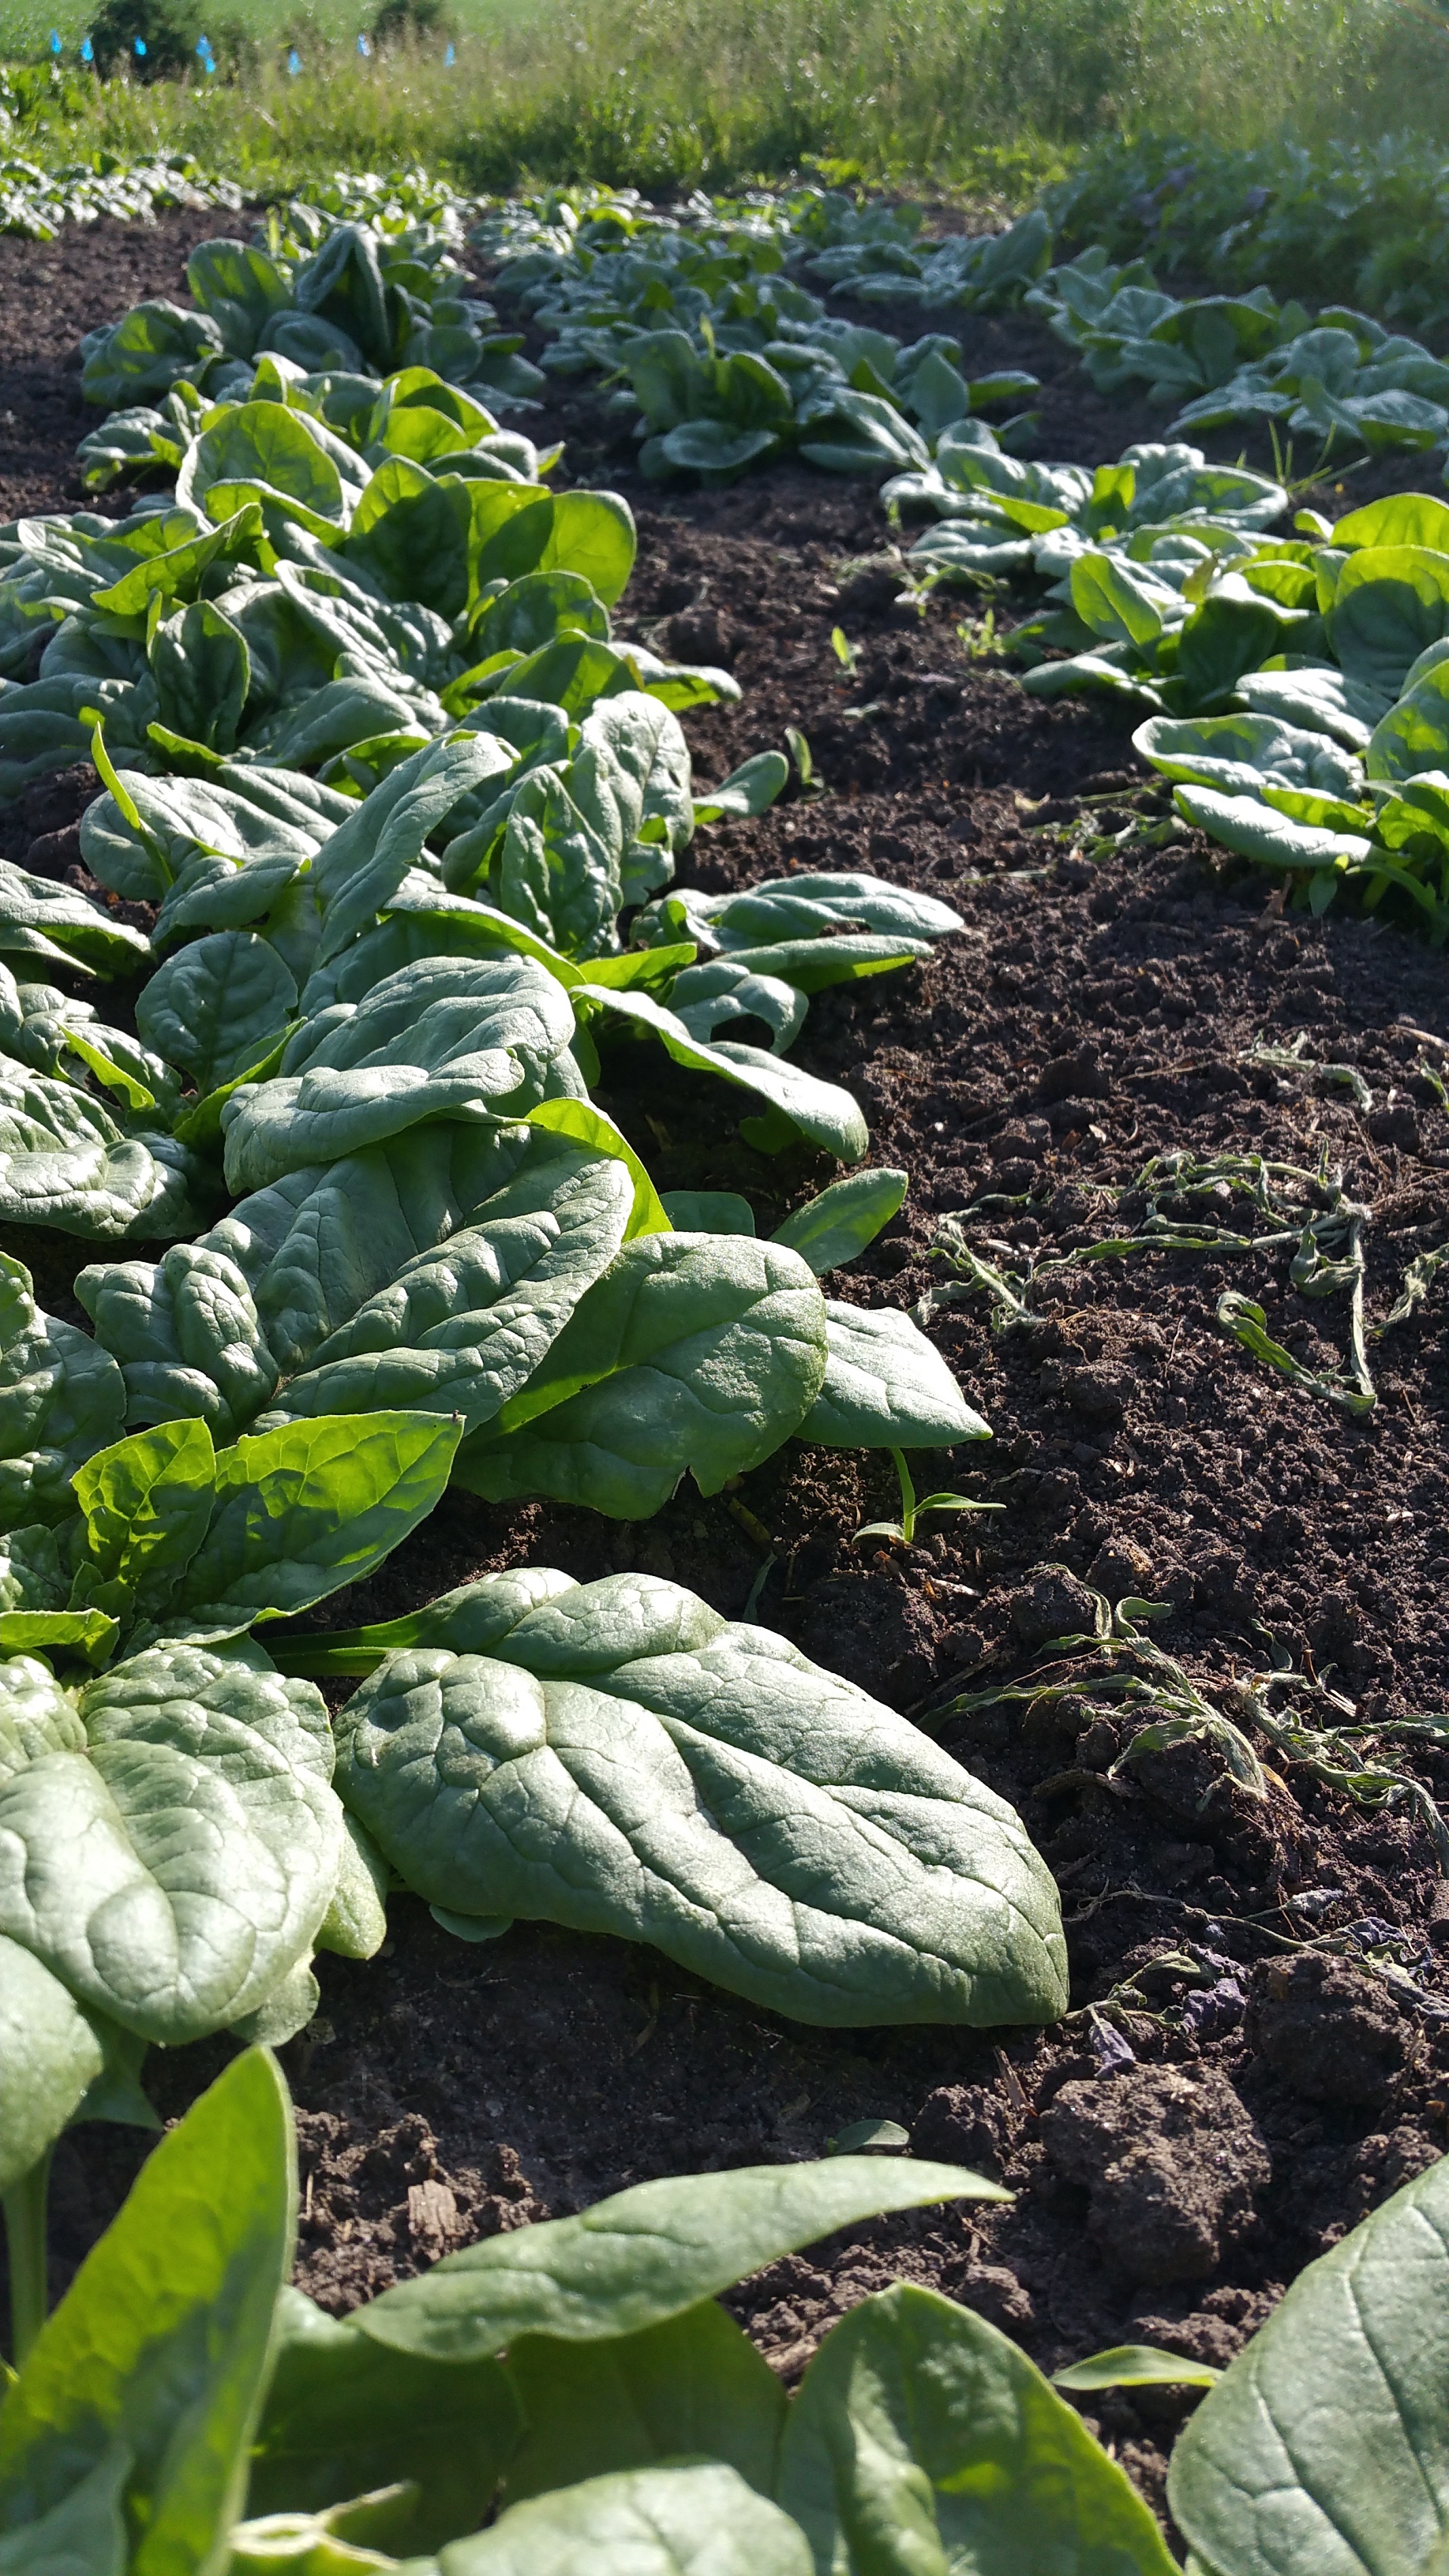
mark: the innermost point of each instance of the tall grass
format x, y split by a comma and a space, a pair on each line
670, 93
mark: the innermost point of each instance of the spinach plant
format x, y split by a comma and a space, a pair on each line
617, 1757
174, 1847
578, 2374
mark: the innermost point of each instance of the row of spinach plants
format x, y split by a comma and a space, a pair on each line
571, 2397
1296, 688
386, 835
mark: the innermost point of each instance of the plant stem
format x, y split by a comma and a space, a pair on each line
908, 1497
24, 2206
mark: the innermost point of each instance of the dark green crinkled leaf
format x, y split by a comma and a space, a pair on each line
216, 1007
65, 1162
361, 867
60, 1398
217, 1321
202, 670
696, 1352
444, 1035
41, 919
461, 1329
169, 1834
623, 1760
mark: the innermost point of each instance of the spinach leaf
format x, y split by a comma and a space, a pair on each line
445, 1035
831, 1229
211, 1327
679, 2520
696, 2384
644, 2255
808, 907
202, 670
1326, 2443
821, 1111
49, 2058
43, 920
146, 1504
461, 1329
344, 2413
706, 998
693, 1352
61, 1397
365, 861
216, 1008
302, 1510
172, 1839
923, 2434
621, 1760
65, 1162
139, 837
689, 2519
82, 2535
886, 1386
145, 2384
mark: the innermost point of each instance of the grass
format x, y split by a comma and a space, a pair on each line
987, 96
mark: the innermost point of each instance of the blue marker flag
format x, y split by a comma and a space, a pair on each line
140, 45
363, 46
88, 51
294, 62
56, 46
451, 56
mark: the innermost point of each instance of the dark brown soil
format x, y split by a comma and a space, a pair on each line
52, 292
1180, 2154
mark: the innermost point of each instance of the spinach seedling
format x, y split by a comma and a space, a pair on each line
901, 1533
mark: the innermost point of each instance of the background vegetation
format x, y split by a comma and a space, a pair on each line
990, 96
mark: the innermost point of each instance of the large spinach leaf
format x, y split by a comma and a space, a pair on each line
645, 2255
623, 1760
688, 2519
443, 1036
445, 1264
67, 1162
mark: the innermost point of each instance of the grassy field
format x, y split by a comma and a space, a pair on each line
987, 95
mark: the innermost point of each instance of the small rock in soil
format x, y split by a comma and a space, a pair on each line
962, 2124
1328, 2028
1172, 2162
1052, 1604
